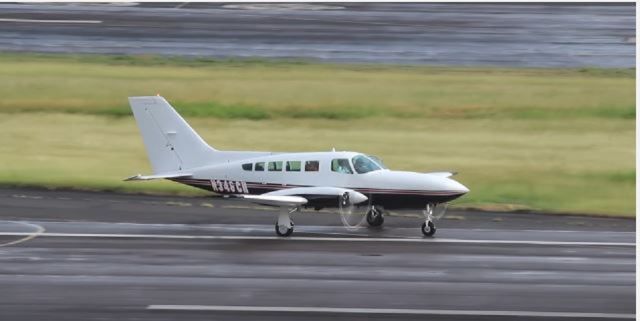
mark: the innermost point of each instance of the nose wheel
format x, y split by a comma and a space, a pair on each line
428, 228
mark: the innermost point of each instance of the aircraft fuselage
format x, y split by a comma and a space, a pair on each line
261, 173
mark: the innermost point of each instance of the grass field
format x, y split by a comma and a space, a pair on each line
260, 90
553, 140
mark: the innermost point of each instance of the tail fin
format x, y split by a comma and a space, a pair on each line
172, 145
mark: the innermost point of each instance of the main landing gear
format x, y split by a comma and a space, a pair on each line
375, 216
284, 225
428, 228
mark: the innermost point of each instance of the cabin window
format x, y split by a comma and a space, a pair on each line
341, 165
275, 166
247, 167
311, 166
260, 167
293, 166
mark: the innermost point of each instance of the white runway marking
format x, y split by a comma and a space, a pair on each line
48, 21
181, 5
319, 239
282, 6
29, 236
228, 308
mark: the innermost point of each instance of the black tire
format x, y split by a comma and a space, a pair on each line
285, 234
375, 220
430, 230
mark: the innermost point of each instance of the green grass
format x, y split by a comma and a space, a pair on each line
559, 140
272, 89
586, 166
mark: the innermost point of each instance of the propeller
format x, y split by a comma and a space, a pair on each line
440, 210
437, 211
352, 216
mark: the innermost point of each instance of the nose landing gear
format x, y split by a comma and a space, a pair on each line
428, 228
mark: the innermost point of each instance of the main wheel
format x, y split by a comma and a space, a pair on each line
284, 231
374, 217
428, 229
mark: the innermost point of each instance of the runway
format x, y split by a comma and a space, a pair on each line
521, 35
68, 255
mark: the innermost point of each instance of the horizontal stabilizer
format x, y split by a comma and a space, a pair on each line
288, 201
140, 177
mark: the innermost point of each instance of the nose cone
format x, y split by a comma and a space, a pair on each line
357, 197
453, 185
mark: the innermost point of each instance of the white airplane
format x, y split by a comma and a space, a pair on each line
287, 180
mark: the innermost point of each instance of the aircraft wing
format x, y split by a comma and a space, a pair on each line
442, 174
297, 196
140, 177
288, 201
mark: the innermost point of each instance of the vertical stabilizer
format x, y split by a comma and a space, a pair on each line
171, 144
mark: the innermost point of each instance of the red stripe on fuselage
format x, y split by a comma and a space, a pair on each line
274, 186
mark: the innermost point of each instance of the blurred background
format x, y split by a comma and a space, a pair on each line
533, 104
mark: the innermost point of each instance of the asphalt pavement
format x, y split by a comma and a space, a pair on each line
498, 34
67, 255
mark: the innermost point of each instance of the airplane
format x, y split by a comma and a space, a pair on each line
291, 181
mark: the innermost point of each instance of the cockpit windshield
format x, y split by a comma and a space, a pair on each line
377, 160
362, 164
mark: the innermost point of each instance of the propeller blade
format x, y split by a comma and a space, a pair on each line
350, 214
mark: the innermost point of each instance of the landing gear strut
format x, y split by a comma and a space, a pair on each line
284, 225
428, 228
375, 217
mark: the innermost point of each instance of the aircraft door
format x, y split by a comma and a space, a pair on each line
340, 171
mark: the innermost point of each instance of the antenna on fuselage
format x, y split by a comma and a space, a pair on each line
333, 149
